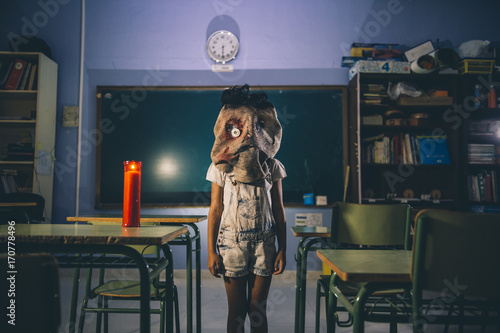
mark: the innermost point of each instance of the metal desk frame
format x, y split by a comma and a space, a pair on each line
136, 257
189, 238
310, 241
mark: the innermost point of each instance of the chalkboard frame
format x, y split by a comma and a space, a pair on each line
100, 204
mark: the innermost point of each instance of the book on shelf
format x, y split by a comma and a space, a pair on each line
8, 183
31, 83
481, 153
24, 79
4, 72
16, 74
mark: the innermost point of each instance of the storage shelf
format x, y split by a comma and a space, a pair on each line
384, 179
28, 117
18, 122
16, 162
18, 94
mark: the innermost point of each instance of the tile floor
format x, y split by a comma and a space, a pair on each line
281, 307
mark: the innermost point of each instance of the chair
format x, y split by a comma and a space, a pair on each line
25, 208
124, 290
455, 269
34, 291
354, 225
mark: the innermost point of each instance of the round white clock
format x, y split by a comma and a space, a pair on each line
222, 46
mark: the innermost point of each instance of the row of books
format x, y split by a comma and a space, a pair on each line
8, 183
373, 94
19, 74
483, 153
405, 148
20, 152
483, 186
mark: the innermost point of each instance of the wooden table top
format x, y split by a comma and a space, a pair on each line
90, 234
300, 231
368, 265
144, 218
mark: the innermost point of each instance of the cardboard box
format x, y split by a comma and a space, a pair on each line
426, 100
376, 119
379, 66
416, 52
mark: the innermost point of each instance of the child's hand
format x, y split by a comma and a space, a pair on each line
215, 265
280, 262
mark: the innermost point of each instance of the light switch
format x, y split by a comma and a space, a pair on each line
70, 116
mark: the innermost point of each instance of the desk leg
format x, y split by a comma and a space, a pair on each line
300, 298
198, 278
298, 277
189, 283
74, 300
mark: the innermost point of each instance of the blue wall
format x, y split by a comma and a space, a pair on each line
162, 42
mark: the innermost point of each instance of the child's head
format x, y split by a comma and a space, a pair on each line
247, 133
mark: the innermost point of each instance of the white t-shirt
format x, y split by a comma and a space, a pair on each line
247, 207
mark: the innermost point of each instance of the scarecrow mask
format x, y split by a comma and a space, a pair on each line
247, 133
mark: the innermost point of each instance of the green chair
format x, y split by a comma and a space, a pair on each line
455, 269
124, 290
361, 226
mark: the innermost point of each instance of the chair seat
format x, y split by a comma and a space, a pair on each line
122, 288
352, 288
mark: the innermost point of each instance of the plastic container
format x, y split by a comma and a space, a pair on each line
492, 98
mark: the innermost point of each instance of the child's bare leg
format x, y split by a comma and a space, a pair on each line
236, 290
258, 290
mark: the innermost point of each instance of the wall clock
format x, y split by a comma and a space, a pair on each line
222, 46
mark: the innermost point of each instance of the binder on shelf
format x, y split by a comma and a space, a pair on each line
433, 149
5, 75
16, 74
25, 77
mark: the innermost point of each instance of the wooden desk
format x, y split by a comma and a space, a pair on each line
162, 219
187, 220
380, 269
77, 238
311, 238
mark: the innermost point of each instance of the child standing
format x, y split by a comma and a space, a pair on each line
246, 211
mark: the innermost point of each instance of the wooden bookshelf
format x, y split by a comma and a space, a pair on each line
27, 123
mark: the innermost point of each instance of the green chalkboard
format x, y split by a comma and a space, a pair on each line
170, 129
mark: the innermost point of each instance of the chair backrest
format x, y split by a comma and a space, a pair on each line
457, 252
33, 210
35, 292
374, 225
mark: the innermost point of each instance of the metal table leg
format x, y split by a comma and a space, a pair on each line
305, 245
190, 238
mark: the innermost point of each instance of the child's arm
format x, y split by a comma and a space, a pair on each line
214, 217
279, 217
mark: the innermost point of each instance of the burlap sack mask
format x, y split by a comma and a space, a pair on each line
247, 133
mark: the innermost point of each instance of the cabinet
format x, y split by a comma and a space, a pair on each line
27, 124
482, 148
404, 150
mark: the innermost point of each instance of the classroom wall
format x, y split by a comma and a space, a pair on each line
162, 42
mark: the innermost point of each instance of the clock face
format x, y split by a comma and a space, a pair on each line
222, 46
